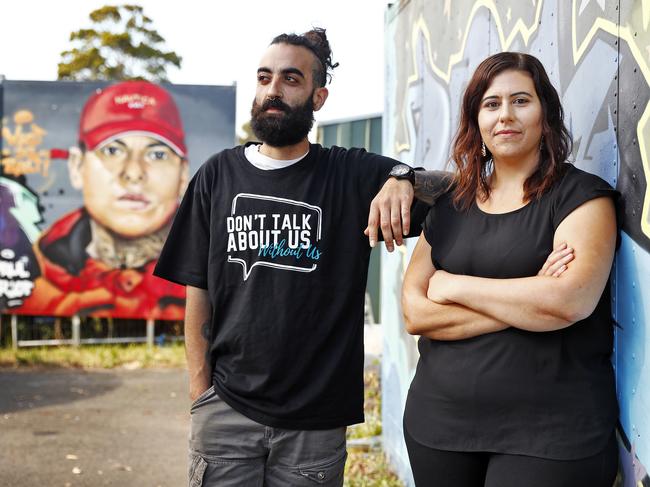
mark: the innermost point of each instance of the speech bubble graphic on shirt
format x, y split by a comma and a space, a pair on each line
279, 233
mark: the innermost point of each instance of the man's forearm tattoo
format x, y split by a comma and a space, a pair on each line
206, 333
429, 185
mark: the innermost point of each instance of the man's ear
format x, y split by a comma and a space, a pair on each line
75, 159
320, 95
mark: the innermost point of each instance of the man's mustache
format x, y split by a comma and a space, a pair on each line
275, 103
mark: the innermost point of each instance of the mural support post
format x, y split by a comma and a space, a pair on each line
14, 332
76, 331
150, 332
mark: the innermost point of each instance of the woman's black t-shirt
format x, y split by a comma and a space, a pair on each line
549, 395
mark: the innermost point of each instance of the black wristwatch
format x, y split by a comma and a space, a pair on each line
402, 171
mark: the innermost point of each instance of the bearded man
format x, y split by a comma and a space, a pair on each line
269, 242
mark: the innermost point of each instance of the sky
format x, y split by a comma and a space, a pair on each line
221, 42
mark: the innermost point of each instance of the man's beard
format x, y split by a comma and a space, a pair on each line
282, 129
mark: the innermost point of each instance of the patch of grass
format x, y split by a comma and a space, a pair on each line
371, 407
369, 468
95, 356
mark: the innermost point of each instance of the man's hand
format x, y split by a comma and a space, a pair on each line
390, 210
198, 386
197, 340
557, 261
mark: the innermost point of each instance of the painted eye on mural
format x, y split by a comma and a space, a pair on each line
159, 154
112, 151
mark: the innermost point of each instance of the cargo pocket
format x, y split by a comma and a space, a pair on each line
329, 472
197, 470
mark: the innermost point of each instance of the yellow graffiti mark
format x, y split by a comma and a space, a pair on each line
626, 34
420, 27
22, 156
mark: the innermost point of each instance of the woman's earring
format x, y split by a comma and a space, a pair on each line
541, 143
483, 149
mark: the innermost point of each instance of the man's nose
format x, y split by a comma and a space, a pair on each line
133, 170
274, 88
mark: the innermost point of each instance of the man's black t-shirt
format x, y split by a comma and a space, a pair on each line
548, 395
284, 259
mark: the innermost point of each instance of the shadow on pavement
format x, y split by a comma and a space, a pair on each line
29, 389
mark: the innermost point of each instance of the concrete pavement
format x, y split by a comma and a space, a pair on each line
62, 427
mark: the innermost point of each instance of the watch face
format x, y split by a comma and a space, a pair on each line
400, 170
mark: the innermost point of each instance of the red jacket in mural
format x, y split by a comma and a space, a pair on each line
71, 282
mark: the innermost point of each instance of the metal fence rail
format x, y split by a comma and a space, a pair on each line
71, 332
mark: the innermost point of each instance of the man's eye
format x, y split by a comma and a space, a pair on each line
111, 151
158, 155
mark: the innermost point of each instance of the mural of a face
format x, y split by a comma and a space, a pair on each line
130, 184
83, 238
510, 118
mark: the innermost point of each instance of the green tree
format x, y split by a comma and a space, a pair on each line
246, 134
121, 45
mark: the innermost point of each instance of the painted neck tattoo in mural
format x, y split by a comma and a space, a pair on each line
121, 253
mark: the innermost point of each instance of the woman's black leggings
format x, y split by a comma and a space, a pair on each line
440, 468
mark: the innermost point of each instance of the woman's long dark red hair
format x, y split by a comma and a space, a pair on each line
471, 178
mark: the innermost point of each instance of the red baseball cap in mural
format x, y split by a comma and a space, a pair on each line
131, 108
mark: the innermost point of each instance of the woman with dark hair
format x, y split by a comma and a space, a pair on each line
514, 386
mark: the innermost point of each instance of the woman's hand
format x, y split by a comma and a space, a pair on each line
441, 282
557, 261
440, 285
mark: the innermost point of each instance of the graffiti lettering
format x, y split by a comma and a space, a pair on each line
15, 289
23, 156
14, 277
13, 270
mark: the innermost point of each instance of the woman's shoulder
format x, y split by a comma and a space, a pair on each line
573, 178
576, 187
